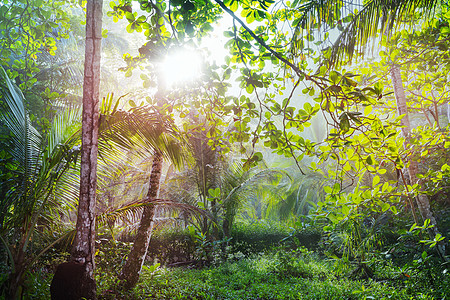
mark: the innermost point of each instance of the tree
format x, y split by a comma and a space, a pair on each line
423, 62
168, 145
84, 244
402, 107
145, 130
132, 268
26, 31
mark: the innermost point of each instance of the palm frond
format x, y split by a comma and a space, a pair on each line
25, 142
130, 212
143, 129
316, 13
377, 16
373, 18
40, 162
249, 188
304, 190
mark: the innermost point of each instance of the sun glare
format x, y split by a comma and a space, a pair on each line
182, 67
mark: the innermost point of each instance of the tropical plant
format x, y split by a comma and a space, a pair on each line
38, 183
151, 133
221, 188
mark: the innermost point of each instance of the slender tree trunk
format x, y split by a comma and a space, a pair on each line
16, 278
422, 200
132, 268
83, 251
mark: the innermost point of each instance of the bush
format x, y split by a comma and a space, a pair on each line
167, 247
261, 237
172, 246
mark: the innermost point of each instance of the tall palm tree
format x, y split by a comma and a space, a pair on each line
149, 132
83, 251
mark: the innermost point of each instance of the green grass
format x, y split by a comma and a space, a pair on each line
277, 276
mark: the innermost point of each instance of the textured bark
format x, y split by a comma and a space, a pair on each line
132, 268
83, 249
16, 278
422, 200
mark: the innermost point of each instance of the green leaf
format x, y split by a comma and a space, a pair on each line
327, 189
368, 110
394, 210
424, 255
344, 124
345, 210
228, 34
375, 180
234, 5
334, 76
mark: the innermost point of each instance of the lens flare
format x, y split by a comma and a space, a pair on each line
182, 67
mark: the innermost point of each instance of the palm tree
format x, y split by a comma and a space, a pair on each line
132, 268
84, 244
304, 192
240, 184
221, 188
148, 131
39, 182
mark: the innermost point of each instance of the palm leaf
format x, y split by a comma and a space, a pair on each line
143, 129
129, 213
249, 187
375, 16
40, 162
25, 144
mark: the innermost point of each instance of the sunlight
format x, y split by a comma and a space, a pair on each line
182, 66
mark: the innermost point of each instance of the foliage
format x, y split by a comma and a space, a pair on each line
178, 247
39, 184
355, 181
370, 148
171, 246
222, 188
260, 237
27, 29
266, 277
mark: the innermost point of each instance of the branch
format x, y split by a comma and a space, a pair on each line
267, 47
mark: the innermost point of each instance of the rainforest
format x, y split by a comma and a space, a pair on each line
224, 149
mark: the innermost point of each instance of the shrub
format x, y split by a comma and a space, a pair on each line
261, 237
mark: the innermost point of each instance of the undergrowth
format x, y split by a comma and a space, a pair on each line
292, 274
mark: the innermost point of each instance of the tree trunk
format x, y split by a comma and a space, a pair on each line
83, 251
132, 268
422, 200
16, 278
